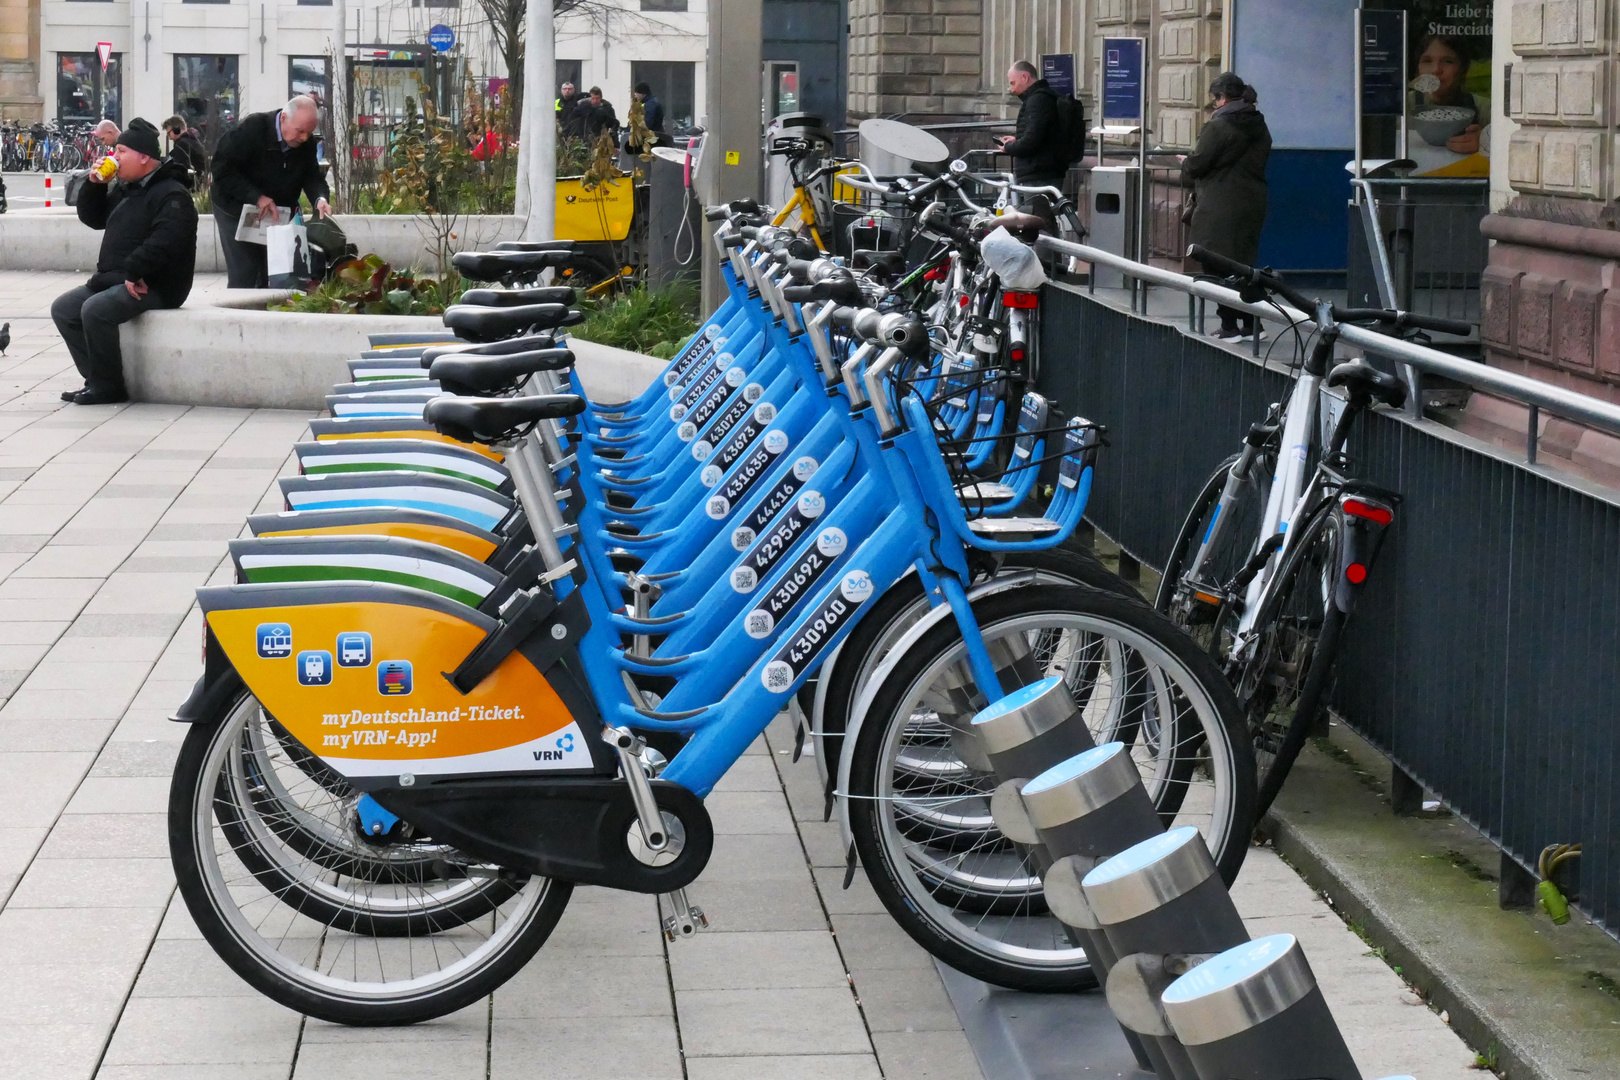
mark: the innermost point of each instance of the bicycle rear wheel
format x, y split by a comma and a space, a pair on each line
920, 814
1284, 683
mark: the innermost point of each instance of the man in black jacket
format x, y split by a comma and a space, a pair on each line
267, 160
1037, 148
148, 254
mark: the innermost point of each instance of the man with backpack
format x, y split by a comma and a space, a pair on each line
1050, 134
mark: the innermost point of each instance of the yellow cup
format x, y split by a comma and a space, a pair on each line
107, 167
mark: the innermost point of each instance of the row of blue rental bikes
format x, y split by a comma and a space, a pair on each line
504, 638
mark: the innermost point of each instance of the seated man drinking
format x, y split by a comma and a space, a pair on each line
148, 255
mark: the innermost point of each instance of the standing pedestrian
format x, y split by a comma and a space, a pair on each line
268, 160
1227, 171
596, 115
1039, 157
568, 101
187, 149
652, 117
106, 134
148, 255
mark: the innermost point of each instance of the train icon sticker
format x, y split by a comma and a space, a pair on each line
314, 668
275, 640
354, 649
394, 678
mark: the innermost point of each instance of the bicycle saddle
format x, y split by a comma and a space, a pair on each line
494, 420
480, 375
537, 245
526, 343
492, 324
498, 265
1025, 227
1365, 379
548, 294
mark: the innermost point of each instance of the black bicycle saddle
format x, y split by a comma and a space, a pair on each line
526, 343
537, 245
492, 324
477, 376
500, 265
492, 420
540, 294
1366, 379
891, 262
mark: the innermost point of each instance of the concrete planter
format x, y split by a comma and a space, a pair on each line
50, 240
235, 354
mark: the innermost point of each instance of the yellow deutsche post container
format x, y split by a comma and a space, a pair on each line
601, 214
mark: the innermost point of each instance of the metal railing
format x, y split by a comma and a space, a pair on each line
1424, 249
1416, 360
1481, 657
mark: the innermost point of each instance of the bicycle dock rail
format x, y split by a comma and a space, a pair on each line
1481, 661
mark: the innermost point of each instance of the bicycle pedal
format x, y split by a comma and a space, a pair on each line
686, 918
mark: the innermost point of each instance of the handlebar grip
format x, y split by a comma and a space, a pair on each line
930, 171
801, 294
750, 232
716, 213
734, 241
744, 206
1436, 323
799, 270
1219, 264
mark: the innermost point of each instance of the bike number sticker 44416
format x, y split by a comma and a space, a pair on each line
800, 653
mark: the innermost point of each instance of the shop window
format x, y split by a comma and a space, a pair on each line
85, 93
672, 82
206, 93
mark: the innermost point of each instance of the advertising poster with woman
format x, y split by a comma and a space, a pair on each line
1448, 108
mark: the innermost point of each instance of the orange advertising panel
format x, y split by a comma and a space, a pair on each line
469, 544
361, 685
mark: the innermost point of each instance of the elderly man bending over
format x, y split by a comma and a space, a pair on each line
267, 160
106, 134
148, 253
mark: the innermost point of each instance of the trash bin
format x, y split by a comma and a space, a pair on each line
1115, 216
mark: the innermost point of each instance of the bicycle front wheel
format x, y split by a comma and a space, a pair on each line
294, 936
920, 814
1285, 680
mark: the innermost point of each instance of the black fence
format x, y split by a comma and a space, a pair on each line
1484, 658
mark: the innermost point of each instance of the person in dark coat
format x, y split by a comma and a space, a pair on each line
187, 149
596, 115
148, 255
652, 116
568, 101
268, 160
1227, 172
1037, 147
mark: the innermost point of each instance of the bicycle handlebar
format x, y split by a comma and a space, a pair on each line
1270, 282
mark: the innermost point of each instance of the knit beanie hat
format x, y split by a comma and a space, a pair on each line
141, 137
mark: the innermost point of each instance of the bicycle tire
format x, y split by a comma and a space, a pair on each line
892, 869
308, 973
1212, 628
1282, 684
900, 607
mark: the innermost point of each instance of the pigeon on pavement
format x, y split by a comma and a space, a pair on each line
5, 338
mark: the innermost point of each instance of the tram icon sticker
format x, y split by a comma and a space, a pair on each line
394, 678
275, 640
314, 668
354, 649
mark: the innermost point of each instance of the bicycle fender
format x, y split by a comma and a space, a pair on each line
217, 685
863, 703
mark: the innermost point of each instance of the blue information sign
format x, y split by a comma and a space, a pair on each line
1058, 71
441, 37
1122, 78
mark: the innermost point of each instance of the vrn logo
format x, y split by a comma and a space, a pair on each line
565, 745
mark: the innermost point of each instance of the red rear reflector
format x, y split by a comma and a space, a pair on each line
936, 274
1017, 354
1024, 300
1371, 511
961, 301
1356, 572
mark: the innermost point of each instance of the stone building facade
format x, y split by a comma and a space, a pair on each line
19, 60
943, 60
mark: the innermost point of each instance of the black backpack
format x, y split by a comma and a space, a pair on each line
1071, 133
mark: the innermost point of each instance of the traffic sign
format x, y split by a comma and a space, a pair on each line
441, 37
104, 50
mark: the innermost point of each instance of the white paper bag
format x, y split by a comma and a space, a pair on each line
288, 250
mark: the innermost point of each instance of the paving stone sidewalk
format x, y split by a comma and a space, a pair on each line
110, 517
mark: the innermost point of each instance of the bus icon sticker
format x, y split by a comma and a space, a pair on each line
394, 678
354, 649
315, 668
275, 640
